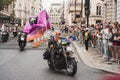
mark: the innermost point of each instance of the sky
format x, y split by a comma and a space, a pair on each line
47, 3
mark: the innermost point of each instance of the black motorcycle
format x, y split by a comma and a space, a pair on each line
59, 58
15, 34
22, 40
4, 36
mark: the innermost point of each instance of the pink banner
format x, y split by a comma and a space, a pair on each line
37, 24
43, 19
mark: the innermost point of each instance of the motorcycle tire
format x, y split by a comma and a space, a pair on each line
71, 68
14, 34
50, 65
21, 45
51, 61
6, 39
3, 40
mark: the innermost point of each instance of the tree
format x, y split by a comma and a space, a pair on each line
5, 3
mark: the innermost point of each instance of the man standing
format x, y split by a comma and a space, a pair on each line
66, 29
105, 33
86, 38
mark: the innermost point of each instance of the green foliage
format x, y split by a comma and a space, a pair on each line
5, 3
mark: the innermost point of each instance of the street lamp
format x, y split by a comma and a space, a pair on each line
81, 8
75, 14
63, 21
75, 10
87, 10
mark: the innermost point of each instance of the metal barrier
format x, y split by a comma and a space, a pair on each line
100, 48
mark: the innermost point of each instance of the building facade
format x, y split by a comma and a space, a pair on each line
6, 14
55, 12
111, 10
118, 11
27, 8
96, 12
8, 10
73, 8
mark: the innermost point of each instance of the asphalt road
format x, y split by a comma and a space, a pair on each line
30, 65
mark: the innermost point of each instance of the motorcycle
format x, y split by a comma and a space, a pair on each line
22, 40
60, 57
5, 36
15, 34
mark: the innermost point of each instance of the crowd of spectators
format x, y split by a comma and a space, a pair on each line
103, 37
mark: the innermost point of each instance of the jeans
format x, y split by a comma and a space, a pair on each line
105, 48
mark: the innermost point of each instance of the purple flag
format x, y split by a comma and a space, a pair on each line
36, 24
27, 28
42, 20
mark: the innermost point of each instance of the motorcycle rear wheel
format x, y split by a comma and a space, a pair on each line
3, 40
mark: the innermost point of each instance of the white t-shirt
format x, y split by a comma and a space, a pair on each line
105, 35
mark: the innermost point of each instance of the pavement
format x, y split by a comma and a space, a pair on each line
93, 59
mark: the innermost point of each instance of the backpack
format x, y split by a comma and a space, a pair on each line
88, 36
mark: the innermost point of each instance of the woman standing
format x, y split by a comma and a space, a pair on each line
116, 43
110, 44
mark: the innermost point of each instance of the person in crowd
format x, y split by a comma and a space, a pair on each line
94, 38
2, 28
99, 45
116, 43
86, 38
115, 27
74, 35
104, 33
110, 43
92, 27
70, 29
81, 34
77, 33
66, 29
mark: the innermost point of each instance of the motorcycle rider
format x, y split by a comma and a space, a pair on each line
21, 31
5, 31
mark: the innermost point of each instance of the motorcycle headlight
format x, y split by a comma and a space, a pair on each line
59, 41
4, 33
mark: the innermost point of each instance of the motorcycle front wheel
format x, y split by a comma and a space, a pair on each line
71, 68
3, 40
21, 45
50, 65
51, 60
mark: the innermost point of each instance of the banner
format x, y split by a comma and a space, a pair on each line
36, 25
43, 20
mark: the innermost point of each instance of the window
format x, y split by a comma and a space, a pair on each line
19, 4
98, 9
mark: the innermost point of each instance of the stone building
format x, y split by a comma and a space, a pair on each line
55, 13
27, 8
